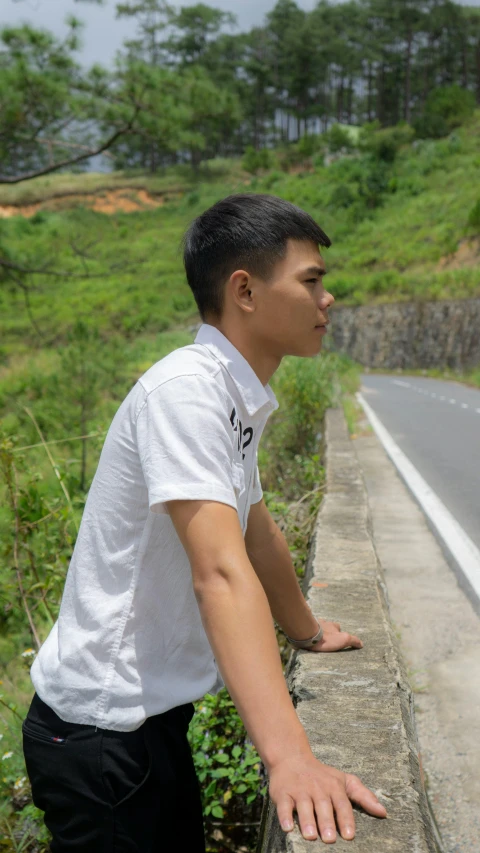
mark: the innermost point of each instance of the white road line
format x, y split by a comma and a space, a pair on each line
431, 394
464, 551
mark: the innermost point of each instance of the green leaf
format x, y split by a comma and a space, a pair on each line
251, 759
236, 752
221, 772
211, 788
222, 757
217, 811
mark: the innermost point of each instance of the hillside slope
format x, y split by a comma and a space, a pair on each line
399, 231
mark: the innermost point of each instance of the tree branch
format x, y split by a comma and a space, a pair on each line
16, 179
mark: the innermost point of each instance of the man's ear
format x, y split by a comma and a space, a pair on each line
242, 289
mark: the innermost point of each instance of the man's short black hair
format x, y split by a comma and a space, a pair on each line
244, 231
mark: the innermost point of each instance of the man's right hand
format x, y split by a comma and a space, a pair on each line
238, 622
319, 793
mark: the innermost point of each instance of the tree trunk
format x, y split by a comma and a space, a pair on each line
408, 67
153, 159
464, 62
426, 70
350, 101
369, 92
195, 159
477, 56
380, 77
261, 115
340, 100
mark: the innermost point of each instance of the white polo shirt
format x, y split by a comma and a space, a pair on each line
129, 640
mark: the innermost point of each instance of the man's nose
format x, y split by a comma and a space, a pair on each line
327, 299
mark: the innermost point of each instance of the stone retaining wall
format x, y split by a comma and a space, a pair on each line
356, 706
410, 334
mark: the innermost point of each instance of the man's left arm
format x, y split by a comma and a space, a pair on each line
269, 555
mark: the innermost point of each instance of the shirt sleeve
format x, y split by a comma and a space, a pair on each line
185, 442
257, 492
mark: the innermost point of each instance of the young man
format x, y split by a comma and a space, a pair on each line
178, 567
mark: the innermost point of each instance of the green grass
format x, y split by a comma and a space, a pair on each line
180, 177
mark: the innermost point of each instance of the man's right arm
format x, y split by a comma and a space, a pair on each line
239, 625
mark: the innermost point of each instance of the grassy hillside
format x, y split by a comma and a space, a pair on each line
399, 231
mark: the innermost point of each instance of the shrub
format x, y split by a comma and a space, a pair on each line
342, 196
374, 184
227, 764
446, 107
342, 288
338, 138
254, 160
429, 126
289, 156
383, 143
309, 144
474, 216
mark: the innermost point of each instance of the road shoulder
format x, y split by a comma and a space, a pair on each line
439, 635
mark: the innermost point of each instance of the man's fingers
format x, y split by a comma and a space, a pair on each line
285, 813
326, 819
346, 640
306, 818
337, 642
354, 641
344, 815
360, 794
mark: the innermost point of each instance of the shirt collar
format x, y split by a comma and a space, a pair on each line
254, 394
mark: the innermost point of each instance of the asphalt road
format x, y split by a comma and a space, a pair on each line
437, 425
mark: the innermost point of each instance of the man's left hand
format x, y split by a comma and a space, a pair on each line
334, 639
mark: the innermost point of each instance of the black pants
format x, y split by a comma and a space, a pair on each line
115, 792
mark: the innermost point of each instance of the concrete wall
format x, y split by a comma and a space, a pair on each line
356, 706
410, 334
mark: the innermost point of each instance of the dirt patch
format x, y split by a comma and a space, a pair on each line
127, 200
467, 255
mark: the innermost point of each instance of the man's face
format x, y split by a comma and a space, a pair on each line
294, 304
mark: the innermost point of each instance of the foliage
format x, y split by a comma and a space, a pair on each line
384, 143
230, 772
185, 87
445, 108
474, 216
254, 160
39, 94
338, 139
